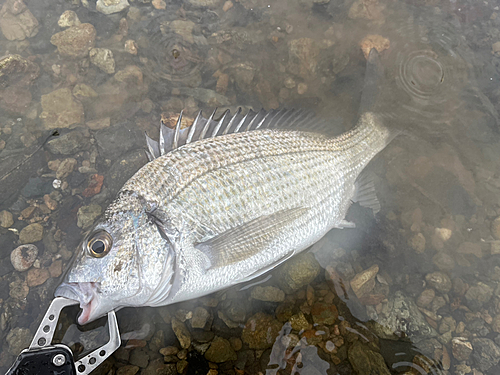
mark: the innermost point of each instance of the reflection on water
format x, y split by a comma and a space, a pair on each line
414, 290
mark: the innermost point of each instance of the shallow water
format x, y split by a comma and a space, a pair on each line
414, 289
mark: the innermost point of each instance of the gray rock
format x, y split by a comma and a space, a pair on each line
118, 139
18, 339
461, 348
439, 281
426, 297
220, 350
298, 272
200, 317
111, 6
37, 187
401, 314
6, 219
478, 295
68, 19
23, 257
87, 215
157, 367
127, 370
443, 261
18, 289
495, 228
69, 143
366, 361
268, 293
103, 59
61, 110
31, 233
485, 354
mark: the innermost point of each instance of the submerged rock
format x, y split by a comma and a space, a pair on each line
220, 350
60, 109
366, 361
182, 333
111, 6
268, 293
260, 331
18, 339
298, 272
69, 143
87, 215
103, 59
31, 233
23, 257
68, 19
486, 353
16, 21
75, 41
6, 219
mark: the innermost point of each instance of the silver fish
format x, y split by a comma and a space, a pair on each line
220, 203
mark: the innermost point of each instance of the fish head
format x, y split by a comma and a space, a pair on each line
121, 262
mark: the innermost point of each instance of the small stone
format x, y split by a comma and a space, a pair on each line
478, 295
131, 47
439, 281
75, 41
374, 41
139, 357
260, 331
298, 272
111, 6
182, 333
299, 322
364, 281
18, 339
366, 361
495, 48
200, 317
55, 269
443, 261
222, 83
103, 59
368, 10
169, 350
127, 370
6, 219
425, 298
301, 88
23, 257
159, 4
94, 186
37, 276
227, 5
417, 243
87, 214
31, 233
485, 354
447, 324
323, 313
84, 92
28, 212
65, 168
17, 22
181, 366
220, 350
461, 348
49, 202
18, 290
68, 19
60, 110
236, 343
303, 57
268, 294
444, 234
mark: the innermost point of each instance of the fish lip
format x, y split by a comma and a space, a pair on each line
85, 293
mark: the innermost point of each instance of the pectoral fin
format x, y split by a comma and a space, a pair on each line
248, 239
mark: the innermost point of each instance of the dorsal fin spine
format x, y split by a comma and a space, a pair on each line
192, 129
231, 121
207, 124
219, 123
177, 130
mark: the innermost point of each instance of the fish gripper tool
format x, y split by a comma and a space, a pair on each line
44, 358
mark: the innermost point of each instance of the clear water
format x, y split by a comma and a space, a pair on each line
416, 288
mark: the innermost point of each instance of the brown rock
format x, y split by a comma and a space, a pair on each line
425, 298
16, 21
94, 186
55, 269
364, 281
75, 41
374, 41
260, 331
23, 257
323, 313
31, 233
6, 219
37, 276
470, 248
49, 202
99, 124
461, 348
60, 109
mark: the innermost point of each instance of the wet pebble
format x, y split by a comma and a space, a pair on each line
425, 298
268, 293
23, 257
169, 350
37, 276
111, 6
182, 333
18, 289
461, 348
68, 19
75, 41
298, 272
131, 47
103, 59
6, 219
364, 282
17, 22
31, 233
139, 357
477, 295
485, 354
366, 361
260, 331
61, 110
49, 202
299, 322
323, 313
69, 143
55, 269
200, 317
417, 243
127, 370
443, 261
220, 350
87, 214
439, 281
65, 168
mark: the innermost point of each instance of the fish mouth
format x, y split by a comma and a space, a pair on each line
85, 293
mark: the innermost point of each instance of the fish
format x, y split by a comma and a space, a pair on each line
220, 203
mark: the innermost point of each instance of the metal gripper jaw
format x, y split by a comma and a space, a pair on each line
44, 358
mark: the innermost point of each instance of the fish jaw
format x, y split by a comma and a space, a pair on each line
85, 293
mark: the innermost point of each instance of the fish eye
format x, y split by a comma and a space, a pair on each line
99, 244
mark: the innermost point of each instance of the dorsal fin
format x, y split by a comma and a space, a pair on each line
285, 119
